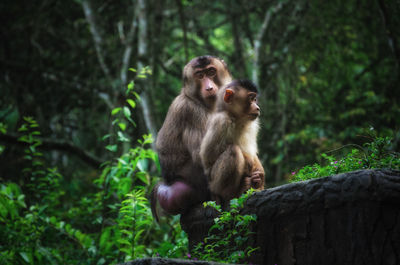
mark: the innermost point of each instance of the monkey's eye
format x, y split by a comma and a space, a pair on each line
199, 75
253, 97
211, 72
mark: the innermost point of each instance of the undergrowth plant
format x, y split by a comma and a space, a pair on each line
30, 221
228, 239
376, 154
109, 223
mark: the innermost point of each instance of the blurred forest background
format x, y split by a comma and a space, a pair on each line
328, 73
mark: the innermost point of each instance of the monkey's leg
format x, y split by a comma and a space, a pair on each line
174, 199
227, 172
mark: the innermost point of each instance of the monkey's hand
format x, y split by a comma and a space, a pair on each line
246, 184
256, 179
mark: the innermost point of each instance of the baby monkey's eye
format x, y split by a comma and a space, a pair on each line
252, 96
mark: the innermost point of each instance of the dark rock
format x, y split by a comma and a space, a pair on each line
350, 218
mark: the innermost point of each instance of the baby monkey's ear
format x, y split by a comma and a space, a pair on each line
228, 95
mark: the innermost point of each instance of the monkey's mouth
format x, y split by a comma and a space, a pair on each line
254, 116
211, 95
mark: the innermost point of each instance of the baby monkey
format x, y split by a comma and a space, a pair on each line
229, 148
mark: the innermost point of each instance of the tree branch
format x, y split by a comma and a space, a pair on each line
143, 55
52, 144
183, 24
238, 54
128, 49
258, 40
98, 40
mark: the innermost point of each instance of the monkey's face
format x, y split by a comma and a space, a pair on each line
241, 103
203, 76
205, 82
253, 110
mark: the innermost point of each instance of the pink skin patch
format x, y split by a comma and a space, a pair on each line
175, 198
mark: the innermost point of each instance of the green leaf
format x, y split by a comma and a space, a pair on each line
115, 111
131, 102
124, 242
104, 237
138, 234
112, 148
143, 177
23, 128
131, 121
136, 95
23, 138
123, 162
122, 126
25, 257
121, 137
143, 164
127, 112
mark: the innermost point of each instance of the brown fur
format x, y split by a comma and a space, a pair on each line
179, 139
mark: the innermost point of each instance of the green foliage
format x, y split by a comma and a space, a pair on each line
375, 154
228, 239
3, 130
111, 223
29, 231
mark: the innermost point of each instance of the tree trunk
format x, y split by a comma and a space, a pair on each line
259, 38
184, 29
97, 37
143, 59
238, 54
128, 41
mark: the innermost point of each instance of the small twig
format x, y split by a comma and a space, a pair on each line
344, 146
348, 145
53, 144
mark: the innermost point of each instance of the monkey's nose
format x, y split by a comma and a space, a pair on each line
209, 88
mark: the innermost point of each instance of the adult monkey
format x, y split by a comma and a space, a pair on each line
178, 143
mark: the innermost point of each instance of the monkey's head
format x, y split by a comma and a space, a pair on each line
239, 99
203, 76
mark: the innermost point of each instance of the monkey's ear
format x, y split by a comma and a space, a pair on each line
228, 95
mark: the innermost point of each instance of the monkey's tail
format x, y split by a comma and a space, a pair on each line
153, 202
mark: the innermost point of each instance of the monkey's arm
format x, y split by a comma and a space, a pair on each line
172, 151
227, 173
